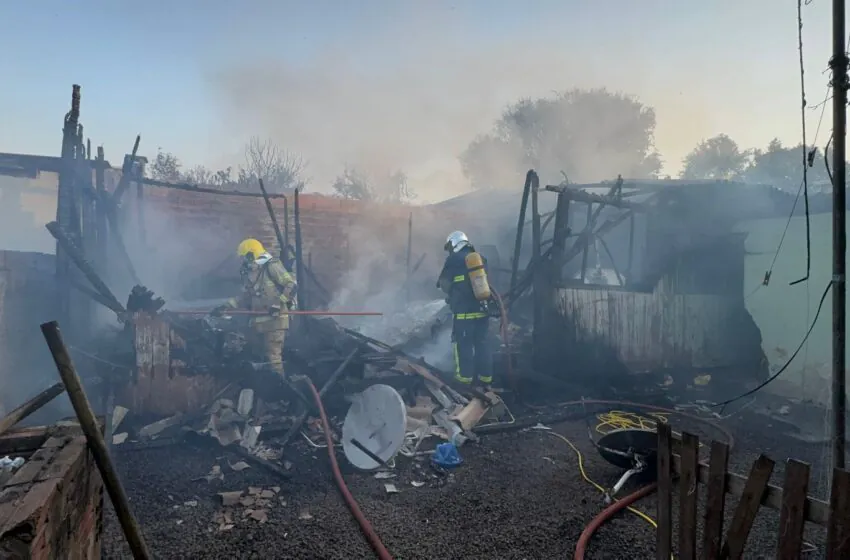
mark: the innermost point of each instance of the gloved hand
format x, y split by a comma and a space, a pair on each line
274, 310
218, 311
493, 309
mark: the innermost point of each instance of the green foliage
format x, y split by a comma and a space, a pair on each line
588, 135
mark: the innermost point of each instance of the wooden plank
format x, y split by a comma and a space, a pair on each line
664, 532
817, 511
792, 515
838, 530
688, 492
748, 506
715, 501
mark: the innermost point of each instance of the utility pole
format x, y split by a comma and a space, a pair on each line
839, 233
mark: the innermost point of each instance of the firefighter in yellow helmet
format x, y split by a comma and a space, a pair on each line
267, 287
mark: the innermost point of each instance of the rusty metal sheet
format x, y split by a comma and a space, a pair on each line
655, 330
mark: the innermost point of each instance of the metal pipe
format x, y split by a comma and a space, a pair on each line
299, 256
258, 313
95, 440
839, 230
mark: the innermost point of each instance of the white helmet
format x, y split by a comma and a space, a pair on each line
456, 241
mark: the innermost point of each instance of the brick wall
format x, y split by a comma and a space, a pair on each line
52, 506
188, 234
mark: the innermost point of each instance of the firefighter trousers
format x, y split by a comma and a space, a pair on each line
470, 346
270, 345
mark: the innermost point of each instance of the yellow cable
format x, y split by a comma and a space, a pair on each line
635, 511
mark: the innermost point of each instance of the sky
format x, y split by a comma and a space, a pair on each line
397, 84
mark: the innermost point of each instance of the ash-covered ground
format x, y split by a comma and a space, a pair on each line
518, 494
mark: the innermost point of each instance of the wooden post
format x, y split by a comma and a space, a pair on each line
102, 243
838, 63
664, 532
529, 179
715, 502
792, 516
838, 530
65, 201
540, 284
95, 440
748, 506
278, 234
126, 173
688, 493
588, 227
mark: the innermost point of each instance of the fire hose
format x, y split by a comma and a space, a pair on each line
365, 526
608, 513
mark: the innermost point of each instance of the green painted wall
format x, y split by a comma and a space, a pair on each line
784, 312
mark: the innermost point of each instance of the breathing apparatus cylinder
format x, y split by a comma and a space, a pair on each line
477, 276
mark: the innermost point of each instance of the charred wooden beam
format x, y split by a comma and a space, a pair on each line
31, 406
95, 440
559, 238
281, 243
32, 165
74, 253
126, 173
112, 218
199, 189
530, 178
574, 193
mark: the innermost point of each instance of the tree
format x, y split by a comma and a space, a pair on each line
279, 169
782, 168
385, 187
589, 135
715, 158
165, 167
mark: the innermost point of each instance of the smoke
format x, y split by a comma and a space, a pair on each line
172, 253
415, 110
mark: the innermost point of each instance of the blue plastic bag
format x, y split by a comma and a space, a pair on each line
447, 456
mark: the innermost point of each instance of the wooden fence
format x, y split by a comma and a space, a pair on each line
792, 500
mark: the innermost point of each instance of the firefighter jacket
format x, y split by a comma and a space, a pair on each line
267, 286
454, 280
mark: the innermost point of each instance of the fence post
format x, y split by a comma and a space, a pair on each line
664, 533
792, 516
715, 502
688, 492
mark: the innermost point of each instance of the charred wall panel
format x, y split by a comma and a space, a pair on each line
161, 384
27, 299
620, 331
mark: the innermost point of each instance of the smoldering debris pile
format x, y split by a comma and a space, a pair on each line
415, 322
264, 426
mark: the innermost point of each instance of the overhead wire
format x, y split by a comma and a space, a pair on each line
805, 148
787, 363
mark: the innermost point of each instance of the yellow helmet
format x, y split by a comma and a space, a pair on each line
252, 247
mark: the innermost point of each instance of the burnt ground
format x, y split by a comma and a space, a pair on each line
518, 494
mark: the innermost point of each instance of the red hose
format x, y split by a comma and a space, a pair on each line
607, 514
365, 526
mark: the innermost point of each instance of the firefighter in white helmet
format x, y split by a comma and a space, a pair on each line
461, 278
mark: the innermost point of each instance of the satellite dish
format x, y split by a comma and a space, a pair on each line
376, 422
